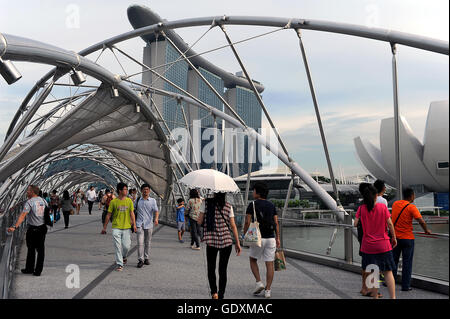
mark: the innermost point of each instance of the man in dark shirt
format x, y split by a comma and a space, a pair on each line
267, 217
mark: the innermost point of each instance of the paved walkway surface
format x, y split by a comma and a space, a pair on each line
175, 272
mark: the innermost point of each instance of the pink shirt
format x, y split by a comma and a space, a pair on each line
375, 236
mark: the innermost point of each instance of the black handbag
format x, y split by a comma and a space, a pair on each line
360, 230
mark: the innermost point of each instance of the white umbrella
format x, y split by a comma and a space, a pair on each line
210, 179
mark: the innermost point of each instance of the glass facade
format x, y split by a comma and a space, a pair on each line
246, 106
205, 94
178, 74
249, 110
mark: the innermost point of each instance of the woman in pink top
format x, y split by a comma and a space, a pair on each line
376, 248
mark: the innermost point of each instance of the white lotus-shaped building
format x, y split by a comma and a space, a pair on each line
422, 164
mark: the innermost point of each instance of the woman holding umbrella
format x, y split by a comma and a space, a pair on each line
217, 218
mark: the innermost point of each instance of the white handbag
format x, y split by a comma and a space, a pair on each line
252, 237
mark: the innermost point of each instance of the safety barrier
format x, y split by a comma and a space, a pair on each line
10, 243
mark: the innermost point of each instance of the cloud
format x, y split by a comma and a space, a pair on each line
352, 76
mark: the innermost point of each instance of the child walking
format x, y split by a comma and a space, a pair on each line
180, 219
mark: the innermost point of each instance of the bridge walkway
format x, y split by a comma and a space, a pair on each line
176, 271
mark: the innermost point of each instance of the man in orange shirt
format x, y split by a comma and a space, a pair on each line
403, 213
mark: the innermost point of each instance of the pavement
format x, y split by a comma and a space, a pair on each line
176, 271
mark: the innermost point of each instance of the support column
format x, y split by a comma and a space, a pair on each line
247, 185
398, 158
286, 205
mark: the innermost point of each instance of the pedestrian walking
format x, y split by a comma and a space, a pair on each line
380, 186
267, 218
133, 194
91, 197
147, 215
33, 211
403, 213
66, 206
54, 204
99, 199
217, 219
46, 197
181, 221
78, 196
106, 200
376, 247
122, 210
193, 209
364, 290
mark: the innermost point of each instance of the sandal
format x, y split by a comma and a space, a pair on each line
119, 268
215, 296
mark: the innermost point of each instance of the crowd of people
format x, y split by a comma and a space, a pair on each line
383, 236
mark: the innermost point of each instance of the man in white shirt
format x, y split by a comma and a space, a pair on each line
91, 197
381, 189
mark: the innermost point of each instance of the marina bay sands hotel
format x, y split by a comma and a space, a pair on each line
235, 89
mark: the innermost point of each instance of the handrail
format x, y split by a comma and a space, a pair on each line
8, 257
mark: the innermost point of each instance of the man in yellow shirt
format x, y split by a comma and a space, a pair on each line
122, 211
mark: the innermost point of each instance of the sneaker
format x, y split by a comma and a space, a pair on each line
140, 264
195, 247
182, 241
267, 293
259, 287
407, 289
147, 261
119, 268
37, 274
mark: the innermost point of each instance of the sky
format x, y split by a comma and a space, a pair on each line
352, 76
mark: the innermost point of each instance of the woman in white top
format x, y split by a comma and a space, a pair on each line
193, 208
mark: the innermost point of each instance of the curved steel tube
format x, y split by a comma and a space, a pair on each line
21, 49
379, 34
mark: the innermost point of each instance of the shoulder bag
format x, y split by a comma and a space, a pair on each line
252, 237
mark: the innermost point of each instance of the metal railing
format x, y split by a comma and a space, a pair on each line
339, 235
9, 247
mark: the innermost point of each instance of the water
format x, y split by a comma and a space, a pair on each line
431, 255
